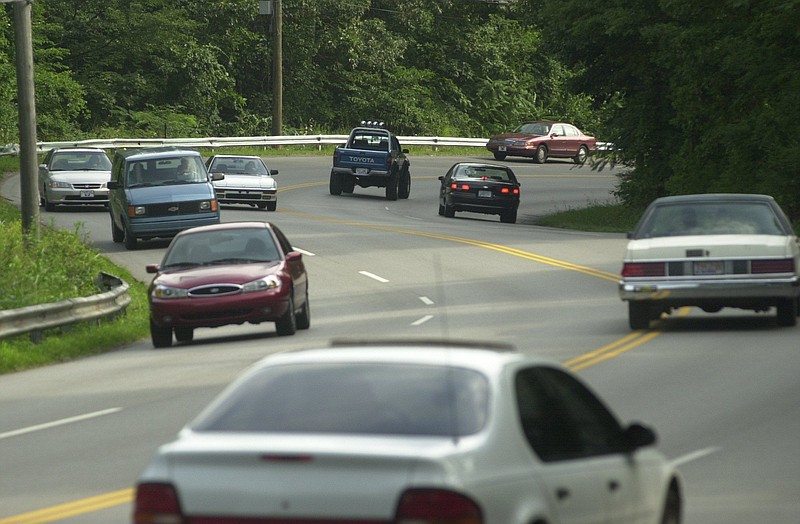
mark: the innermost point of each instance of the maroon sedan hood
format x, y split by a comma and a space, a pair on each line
230, 274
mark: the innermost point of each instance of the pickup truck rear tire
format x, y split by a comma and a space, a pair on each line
392, 186
405, 184
336, 184
348, 184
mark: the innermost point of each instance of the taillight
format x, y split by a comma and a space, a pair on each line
777, 265
157, 503
507, 190
644, 269
437, 506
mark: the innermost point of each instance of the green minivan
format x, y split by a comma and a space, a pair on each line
158, 192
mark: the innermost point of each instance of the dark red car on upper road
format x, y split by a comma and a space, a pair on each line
543, 139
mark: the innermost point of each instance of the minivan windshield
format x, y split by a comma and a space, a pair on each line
163, 171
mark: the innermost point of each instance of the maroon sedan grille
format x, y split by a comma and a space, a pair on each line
215, 290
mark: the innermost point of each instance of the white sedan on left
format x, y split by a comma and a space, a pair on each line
74, 176
247, 180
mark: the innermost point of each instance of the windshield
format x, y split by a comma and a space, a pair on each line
369, 398
241, 246
80, 161
533, 128
238, 166
163, 171
712, 218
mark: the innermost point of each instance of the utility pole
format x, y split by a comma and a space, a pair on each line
277, 69
29, 171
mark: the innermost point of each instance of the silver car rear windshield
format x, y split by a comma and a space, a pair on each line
713, 218
383, 399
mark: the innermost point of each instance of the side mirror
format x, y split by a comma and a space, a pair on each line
273, 172
405, 151
217, 176
638, 436
151, 268
112, 184
629, 235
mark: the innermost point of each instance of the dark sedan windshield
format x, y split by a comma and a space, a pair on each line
389, 399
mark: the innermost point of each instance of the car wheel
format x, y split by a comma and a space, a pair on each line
287, 324
449, 211
787, 312
392, 186
184, 334
272, 206
348, 184
672, 508
130, 240
441, 209
303, 319
48, 206
261, 205
161, 336
639, 314
541, 154
582, 155
499, 156
405, 184
508, 217
117, 235
335, 185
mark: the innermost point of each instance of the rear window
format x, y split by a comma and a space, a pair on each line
383, 399
710, 218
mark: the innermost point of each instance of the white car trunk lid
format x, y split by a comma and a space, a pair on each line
711, 246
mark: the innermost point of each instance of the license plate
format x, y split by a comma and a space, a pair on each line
708, 268
501, 148
361, 170
87, 193
484, 194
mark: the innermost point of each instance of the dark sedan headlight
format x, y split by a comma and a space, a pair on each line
262, 284
165, 292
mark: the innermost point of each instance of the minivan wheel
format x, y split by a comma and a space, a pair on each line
130, 240
117, 235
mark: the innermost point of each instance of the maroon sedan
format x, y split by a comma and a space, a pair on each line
228, 273
543, 139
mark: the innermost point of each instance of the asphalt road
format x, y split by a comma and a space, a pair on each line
721, 390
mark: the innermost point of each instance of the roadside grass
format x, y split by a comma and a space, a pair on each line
61, 265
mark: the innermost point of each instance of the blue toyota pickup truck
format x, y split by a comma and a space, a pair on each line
372, 157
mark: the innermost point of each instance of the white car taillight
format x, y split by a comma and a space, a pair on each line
437, 506
157, 503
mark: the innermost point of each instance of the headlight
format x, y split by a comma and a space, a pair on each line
161, 291
56, 183
262, 284
205, 205
137, 211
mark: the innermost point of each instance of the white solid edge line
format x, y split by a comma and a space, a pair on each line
61, 422
373, 276
422, 320
700, 453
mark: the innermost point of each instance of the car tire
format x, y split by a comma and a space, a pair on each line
639, 314
582, 155
441, 209
272, 206
541, 154
129, 239
405, 184
161, 336
508, 217
787, 312
449, 211
303, 319
499, 156
672, 508
392, 186
184, 334
348, 184
261, 205
47, 205
117, 235
335, 185
287, 324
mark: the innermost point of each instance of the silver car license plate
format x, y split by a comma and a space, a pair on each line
87, 193
708, 268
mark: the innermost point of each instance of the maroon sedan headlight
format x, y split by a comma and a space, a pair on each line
262, 284
164, 292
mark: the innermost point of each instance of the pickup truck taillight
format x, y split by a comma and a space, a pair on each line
437, 506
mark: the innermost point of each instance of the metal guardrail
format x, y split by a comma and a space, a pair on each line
34, 320
251, 141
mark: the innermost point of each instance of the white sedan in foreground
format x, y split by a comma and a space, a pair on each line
409, 432
711, 251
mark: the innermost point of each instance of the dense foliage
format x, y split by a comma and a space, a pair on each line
698, 96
